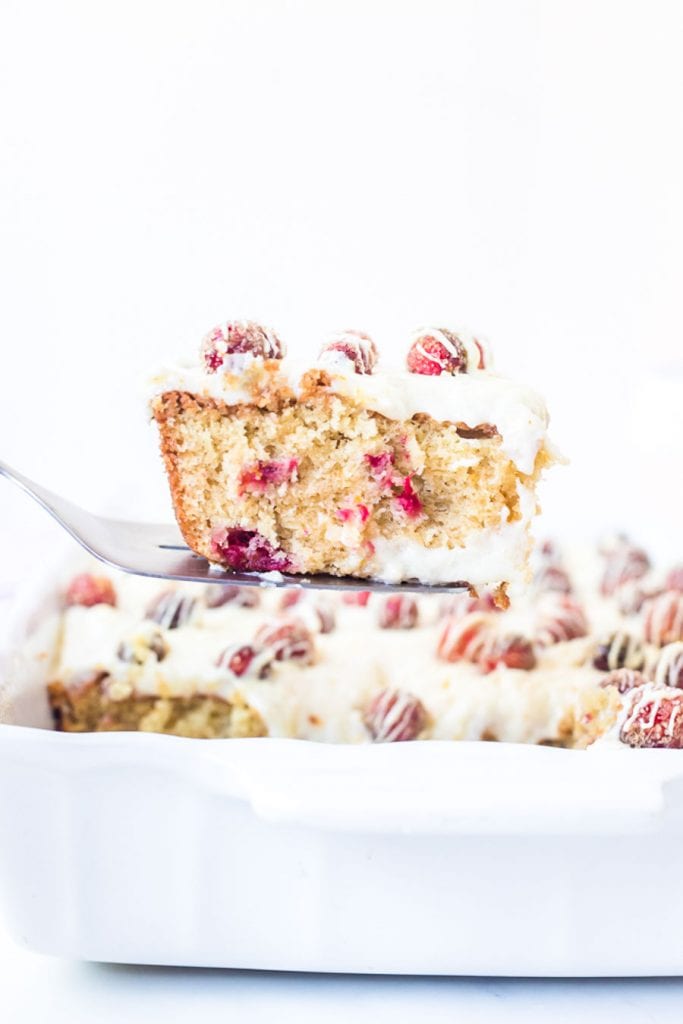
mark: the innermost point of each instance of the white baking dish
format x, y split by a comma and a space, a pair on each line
426, 858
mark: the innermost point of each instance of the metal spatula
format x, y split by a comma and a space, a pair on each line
149, 549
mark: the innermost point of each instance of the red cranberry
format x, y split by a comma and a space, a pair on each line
359, 598
398, 612
560, 618
624, 679
354, 347
289, 598
669, 667
674, 580
287, 639
624, 563
239, 337
663, 618
619, 650
654, 718
257, 477
242, 658
463, 638
409, 500
360, 512
437, 350
510, 650
247, 551
394, 716
218, 594
88, 590
171, 609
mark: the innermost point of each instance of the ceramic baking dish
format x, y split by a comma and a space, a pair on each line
423, 858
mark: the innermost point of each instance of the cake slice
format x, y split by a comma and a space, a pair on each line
426, 473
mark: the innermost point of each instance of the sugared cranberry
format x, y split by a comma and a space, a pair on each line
239, 337
289, 598
476, 638
437, 350
625, 562
553, 578
217, 595
408, 499
352, 347
242, 658
398, 612
663, 618
624, 679
258, 477
394, 716
669, 666
247, 551
359, 598
88, 590
618, 650
674, 580
139, 649
511, 650
287, 638
559, 618
171, 609
654, 718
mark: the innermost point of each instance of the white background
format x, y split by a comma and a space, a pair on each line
512, 166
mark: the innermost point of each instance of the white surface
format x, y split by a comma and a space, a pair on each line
37, 990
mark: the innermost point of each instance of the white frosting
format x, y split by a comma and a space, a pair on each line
517, 412
325, 701
487, 556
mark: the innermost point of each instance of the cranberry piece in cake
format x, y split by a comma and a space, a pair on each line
560, 618
663, 618
247, 551
653, 718
619, 650
669, 666
624, 679
258, 477
87, 590
241, 659
381, 467
351, 347
288, 639
394, 716
624, 562
398, 612
408, 499
217, 595
239, 337
171, 609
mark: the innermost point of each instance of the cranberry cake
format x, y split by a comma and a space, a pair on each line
345, 467
592, 652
